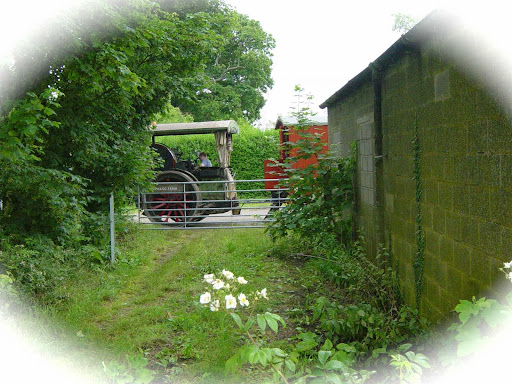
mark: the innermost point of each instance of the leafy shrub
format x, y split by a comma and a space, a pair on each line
367, 311
9, 298
38, 265
321, 194
366, 327
362, 281
476, 320
33, 194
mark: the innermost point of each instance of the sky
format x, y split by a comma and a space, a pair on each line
320, 44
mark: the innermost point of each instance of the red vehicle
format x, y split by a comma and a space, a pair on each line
288, 134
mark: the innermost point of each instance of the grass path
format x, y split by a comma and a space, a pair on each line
149, 301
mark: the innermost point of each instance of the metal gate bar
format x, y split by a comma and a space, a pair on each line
203, 205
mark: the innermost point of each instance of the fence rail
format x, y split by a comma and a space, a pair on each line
214, 204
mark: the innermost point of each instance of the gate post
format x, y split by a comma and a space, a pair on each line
112, 231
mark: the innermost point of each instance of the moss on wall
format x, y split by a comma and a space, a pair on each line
464, 208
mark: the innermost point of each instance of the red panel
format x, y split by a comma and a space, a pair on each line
290, 134
272, 171
293, 137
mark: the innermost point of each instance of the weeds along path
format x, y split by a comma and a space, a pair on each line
149, 301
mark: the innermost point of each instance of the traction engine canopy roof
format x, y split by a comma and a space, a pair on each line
228, 126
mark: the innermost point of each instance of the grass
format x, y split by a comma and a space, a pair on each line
148, 303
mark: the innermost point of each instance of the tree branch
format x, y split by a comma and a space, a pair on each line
227, 70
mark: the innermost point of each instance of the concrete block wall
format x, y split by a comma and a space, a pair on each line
465, 138
466, 144
352, 121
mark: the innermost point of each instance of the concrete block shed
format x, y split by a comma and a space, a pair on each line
431, 119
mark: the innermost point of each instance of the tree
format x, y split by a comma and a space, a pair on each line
82, 131
403, 23
238, 73
95, 82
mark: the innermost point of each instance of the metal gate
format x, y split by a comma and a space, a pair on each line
209, 204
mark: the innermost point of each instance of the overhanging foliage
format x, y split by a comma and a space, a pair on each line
96, 81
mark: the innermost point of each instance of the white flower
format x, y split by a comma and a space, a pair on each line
241, 280
218, 284
263, 293
214, 306
205, 298
209, 278
508, 265
228, 275
243, 300
510, 276
230, 301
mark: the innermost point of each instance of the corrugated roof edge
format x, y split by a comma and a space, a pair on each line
230, 126
434, 23
292, 120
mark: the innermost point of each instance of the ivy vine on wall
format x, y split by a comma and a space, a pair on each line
420, 236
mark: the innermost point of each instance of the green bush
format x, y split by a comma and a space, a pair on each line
366, 309
38, 265
320, 195
366, 327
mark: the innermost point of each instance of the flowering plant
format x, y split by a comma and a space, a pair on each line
225, 291
507, 269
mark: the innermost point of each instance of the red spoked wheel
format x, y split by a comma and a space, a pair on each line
175, 199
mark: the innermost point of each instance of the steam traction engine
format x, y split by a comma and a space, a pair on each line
184, 191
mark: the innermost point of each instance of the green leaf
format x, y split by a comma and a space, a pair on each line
404, 347
261, 322
327, 345
271, 321
262, 358
268, 353
465, 309
422, 360
378, 351
279, 352
306, 345
237, 319
249, 323
334, 365
49, 111
246, 351
290, 365
346, 347
319, 377
253, 357
232, 364
30, 129
333, 378
323, 356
